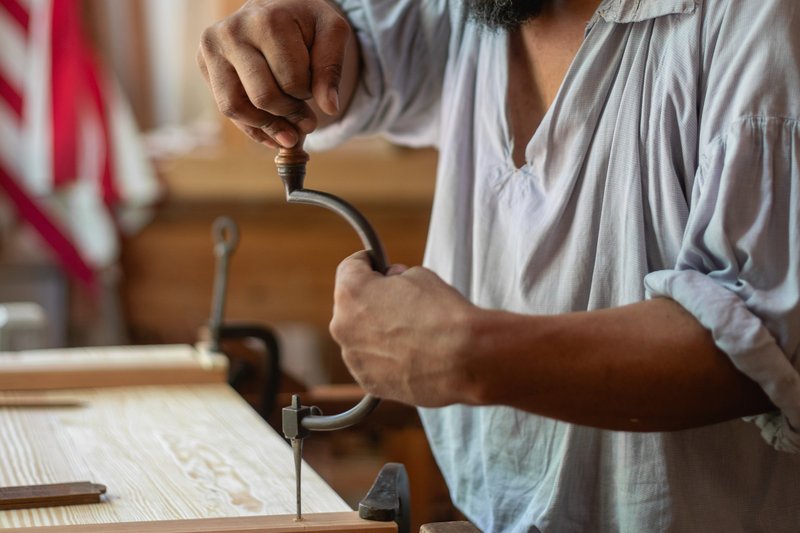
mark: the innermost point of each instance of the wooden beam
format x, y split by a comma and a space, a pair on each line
243, 524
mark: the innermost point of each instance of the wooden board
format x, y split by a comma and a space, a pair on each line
449, 527
110, 367
164, 453
267, 524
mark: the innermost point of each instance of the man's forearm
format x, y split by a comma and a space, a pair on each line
649, 366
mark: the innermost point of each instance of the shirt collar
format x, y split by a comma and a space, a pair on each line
624, 11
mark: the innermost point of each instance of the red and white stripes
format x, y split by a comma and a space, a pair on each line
58, 139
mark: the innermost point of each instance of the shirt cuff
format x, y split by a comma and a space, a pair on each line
743, 337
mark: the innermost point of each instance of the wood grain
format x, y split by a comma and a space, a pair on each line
320, 522
109, 367
164, 453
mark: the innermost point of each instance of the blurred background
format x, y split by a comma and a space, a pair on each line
114, 162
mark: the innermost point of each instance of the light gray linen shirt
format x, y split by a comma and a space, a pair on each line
668, 165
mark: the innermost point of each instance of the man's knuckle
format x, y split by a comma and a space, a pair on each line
340, 292
263, 100
200, 60
274, 18
342, 269
229, 30
231, 108
336, 329
272, 126
208, 41
339, 27
208, 36
297, 86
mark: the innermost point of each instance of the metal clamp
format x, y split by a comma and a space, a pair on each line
225, 235
389, 499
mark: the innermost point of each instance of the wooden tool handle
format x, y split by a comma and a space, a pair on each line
291, 163
292, 156
53, 495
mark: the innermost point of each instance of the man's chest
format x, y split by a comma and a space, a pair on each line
611, 153
539, 57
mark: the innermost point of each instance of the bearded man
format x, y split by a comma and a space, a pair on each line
606, 331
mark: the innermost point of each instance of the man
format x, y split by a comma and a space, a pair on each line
613, 265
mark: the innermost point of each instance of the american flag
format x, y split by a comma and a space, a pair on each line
70, 159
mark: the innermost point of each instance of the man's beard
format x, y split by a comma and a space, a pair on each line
504, 14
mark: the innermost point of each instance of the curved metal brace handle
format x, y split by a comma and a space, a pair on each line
369, 238
291, 165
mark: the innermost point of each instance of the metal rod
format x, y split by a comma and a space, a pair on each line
226, 236
367, 234
351, 417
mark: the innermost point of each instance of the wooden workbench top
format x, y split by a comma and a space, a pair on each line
165, 453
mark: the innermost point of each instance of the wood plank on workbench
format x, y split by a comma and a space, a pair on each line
164, 453
320, 522
110, 367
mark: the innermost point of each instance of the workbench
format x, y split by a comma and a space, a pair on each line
175, 457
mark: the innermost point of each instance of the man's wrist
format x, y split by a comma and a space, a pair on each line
477, 371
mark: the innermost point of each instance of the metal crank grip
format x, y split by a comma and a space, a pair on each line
291, 163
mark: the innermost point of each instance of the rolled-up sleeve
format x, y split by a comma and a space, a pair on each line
738, 271
404, 48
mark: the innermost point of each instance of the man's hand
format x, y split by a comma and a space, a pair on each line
403, 336
273, 62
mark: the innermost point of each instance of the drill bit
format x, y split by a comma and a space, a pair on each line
297, 448
294, 431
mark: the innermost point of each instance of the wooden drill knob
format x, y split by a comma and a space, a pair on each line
292, 156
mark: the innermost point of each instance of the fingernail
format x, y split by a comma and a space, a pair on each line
286, 138
333, 98
307, 125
